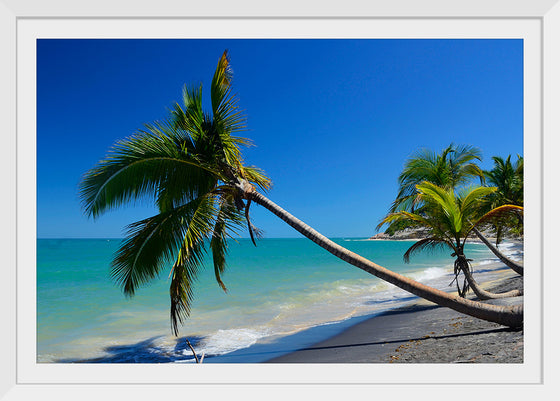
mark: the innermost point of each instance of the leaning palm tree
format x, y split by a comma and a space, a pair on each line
449, 219
191, 166
187, 164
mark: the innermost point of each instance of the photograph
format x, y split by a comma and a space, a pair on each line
280, 201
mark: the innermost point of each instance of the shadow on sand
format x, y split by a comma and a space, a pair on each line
144, 352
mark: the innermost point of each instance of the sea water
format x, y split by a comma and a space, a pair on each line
282, 288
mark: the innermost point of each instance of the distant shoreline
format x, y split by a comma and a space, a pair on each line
413, 235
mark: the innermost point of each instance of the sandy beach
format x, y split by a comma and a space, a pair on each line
422, 333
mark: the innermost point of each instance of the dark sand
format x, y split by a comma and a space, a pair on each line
421, 333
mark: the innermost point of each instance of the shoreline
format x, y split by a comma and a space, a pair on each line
421, 332
416, 332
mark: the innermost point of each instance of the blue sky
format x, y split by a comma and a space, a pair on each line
333, 121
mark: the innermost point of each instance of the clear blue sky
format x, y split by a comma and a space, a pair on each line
332, 120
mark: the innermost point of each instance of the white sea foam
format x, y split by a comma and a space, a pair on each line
430, 274
224, 341
511, 250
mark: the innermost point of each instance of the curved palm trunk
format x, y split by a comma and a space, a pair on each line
516, 267
511, 316
480, 292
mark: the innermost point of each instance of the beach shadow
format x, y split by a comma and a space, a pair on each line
405, 340
384, 301
145, 351
409, 309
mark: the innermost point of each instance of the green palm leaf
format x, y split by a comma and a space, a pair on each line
227, 115
189, 118
228, 221
426, 243
139, 166
183, 276
189, 259
454, 166
445, 199
256, 176
473, 198
498, 213
508, 178
181, 290
153, 242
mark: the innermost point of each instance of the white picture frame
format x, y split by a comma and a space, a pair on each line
23, 17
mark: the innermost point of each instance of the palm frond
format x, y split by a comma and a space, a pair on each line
407, 217
406, 203
472, 198
218, 245
184, 274
228, 221
508, 178
190, 117
189, 259
464, 154
445, 199
467, 172
395, 226
150, 244
432, 242
256, 176
499, 212
138, 166
221, 82
227, 116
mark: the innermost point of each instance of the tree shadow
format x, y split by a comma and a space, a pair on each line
404, 340
145, 351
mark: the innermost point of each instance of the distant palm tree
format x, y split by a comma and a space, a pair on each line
191, 165
453, 167
449, 219
508, 178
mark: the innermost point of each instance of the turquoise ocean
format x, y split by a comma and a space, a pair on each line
283, 295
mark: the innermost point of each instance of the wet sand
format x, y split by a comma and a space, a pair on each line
421, 333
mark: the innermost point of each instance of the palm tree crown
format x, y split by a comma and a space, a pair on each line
449, 219
447, 216
190, 165
508, 178
453, 167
